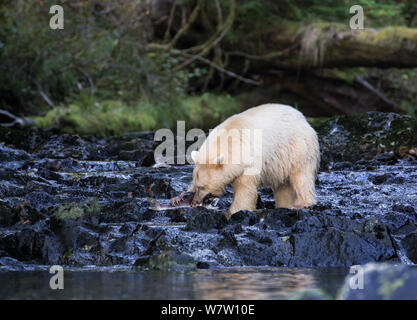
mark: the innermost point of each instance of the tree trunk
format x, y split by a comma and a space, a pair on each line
328, 45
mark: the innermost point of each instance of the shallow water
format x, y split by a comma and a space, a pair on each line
233, 283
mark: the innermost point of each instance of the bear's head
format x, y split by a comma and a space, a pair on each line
209, 177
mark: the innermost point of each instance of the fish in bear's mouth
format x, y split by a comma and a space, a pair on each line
184, 201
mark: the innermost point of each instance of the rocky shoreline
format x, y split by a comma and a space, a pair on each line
79, 202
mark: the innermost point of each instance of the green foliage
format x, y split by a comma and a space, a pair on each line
101, 76
378, 13
100, 55
208, 110
88, 116
400, 87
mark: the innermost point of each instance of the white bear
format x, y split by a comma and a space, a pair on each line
271, 145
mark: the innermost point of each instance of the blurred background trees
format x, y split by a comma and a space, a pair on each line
140, 65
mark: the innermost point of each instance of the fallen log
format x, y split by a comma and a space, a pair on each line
328, 45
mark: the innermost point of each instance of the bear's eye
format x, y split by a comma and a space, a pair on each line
201, 188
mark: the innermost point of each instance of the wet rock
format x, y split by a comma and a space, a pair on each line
31, 243
379, 178
333, 247
9, 154
7, 216
205, 220
203, 265
244, 217
157, 186
11, 264
365, 136
68, 146
69, 165
381, 282
404, 208
40, 199
262, 248
139, 148
27, 139
144, 158
280, 219
124, 211
342, 165
409, 243
72, 200
177, 215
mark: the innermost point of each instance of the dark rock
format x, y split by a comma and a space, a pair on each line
342, 165
9, 155
145, 158
205, 220
409, 244
333, 247
244, 217
68, 146
72, 200
32, 243
7, 216
69, 165
11, 264
40, 199
354, 137
203, 265
404, 208
123, 211
281, 219
379, 178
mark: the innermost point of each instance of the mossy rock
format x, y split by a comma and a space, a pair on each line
75, 211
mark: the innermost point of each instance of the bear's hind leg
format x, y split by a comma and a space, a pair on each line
245, 195
303, 185
284, 196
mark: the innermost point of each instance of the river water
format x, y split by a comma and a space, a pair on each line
224, 283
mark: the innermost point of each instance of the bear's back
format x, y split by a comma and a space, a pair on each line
279, 118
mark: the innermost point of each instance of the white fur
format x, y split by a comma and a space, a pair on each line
288, 163
194, 156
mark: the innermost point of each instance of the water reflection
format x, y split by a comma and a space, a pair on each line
236, 283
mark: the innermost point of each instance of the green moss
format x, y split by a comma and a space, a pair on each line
68, 211
208, 110
103, 118
92, 206
74, 211
347, 75
396, 37
317, 122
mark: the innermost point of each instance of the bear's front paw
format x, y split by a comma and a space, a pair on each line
177, 200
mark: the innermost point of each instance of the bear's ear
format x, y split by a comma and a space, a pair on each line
194, 156
219, 159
